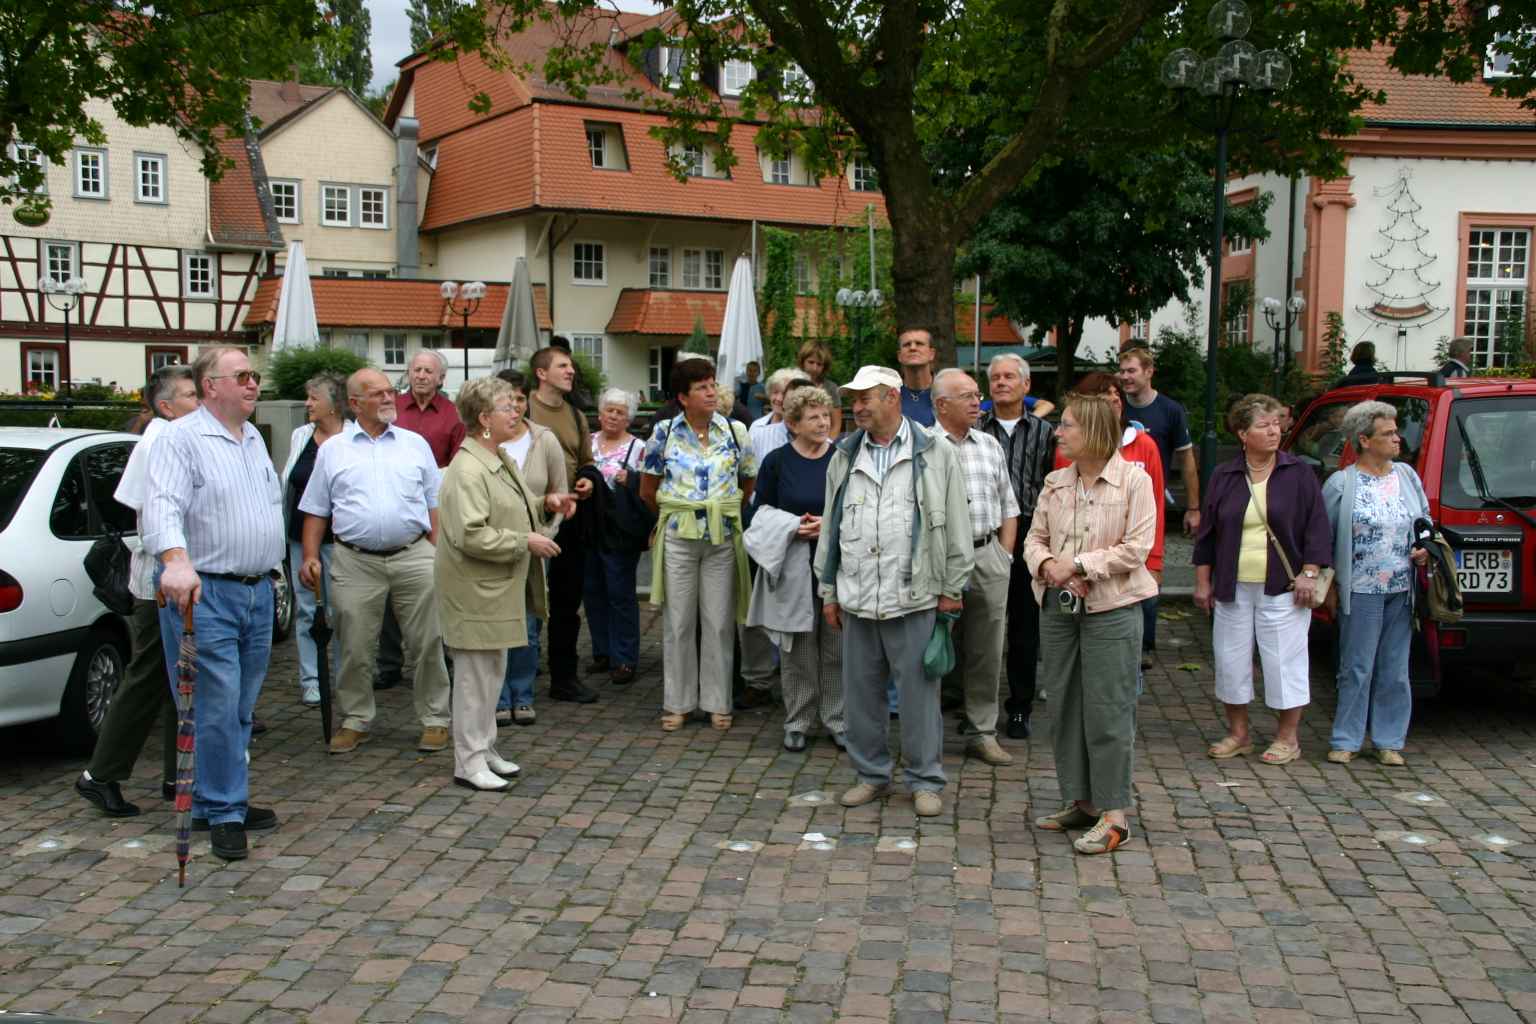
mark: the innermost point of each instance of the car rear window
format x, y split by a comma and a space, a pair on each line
17, 468
1501, 431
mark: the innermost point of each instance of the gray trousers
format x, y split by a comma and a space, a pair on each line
143, 697
757, 667
697, 622
979, 638
476, 685
812, 673
881, 651
1090, 664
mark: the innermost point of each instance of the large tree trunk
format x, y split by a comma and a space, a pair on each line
923, 269
1069, 335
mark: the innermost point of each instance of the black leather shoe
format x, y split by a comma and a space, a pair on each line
228, 841
754, 697
572, 690
258, 727
387, 682
623, 675
257, 819
107, 796
168, 790
794, 742
1018, 726
598, 666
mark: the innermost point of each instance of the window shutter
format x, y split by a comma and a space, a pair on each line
653, 65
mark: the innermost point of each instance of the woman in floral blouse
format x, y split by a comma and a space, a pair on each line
1372, 505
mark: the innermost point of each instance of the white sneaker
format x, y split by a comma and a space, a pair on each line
483, 780
501, 766
310, 697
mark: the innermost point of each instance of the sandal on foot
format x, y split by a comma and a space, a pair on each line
1229, 746
1280, 753
1069, 817
672, 723
1341, 756
1390, 758
719, 721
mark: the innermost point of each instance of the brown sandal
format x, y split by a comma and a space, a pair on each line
672, 723
1280, 753
1227, 747
721, 722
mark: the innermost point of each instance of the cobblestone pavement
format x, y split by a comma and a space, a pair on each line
603, 887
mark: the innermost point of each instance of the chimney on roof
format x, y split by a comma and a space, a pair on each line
289, 89
407, 249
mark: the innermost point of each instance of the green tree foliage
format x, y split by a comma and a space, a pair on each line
1333, 360
344, 56
289, 369
421, 27
698, 341
776, 308
1240, 370
1086, 239
181, 63
1016, 83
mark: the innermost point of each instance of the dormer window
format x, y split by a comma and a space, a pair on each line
605, 146
797, 84
597, 146
862, 173
1499, 60
693, 160
735, 76
671, 61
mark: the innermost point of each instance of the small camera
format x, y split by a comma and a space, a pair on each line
1069, 602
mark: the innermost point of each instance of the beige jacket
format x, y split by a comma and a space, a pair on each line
544, 470
1111, 529
486, 582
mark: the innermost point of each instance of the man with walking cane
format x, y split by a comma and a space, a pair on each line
214, 519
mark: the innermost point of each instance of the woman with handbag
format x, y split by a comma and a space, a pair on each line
613, 610
1372, 506
1259, 557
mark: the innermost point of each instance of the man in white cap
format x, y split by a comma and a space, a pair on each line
895, 550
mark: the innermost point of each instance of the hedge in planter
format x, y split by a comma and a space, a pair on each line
290, 369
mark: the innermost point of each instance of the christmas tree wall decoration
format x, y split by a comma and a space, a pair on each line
1402, 287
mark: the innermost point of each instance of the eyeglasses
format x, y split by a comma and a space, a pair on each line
244, 378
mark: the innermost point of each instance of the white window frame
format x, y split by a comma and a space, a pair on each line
374, 275
590, 344
298, 199
45, 269
56, 370
355, 342
161, 166
23, 152
1239, 245
1496, 62
803, 276
1505, 286
337, 273
1141, 329
211, 268
390, 337
597, 146
1237, 326
382, 194
731, 81
703, 270
594, 256
327, 191
692, 276
794, 82
658, 266
862, 175
695, 159
81, 157
714, 270
781, 167
653, 369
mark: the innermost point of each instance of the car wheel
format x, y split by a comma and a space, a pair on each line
99, 670
282, 604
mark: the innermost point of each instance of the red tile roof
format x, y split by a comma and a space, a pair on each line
391, 302
487, 170
996, 329
1421, 100
239, 208
273, 101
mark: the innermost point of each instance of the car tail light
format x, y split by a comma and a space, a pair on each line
10, 593
1453, 639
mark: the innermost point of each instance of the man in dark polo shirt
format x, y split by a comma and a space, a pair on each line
426, 410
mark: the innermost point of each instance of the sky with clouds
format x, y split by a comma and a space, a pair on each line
392, 34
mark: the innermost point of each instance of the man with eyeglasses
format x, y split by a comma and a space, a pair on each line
376, 487
214, 519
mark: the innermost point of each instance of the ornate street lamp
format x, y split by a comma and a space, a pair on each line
64, 296
851, 299
1282, 316
463, 300
1220, 80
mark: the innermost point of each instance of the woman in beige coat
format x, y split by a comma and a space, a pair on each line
489, 575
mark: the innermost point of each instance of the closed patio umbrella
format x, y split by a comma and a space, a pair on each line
741, 341
296, 325
518, 338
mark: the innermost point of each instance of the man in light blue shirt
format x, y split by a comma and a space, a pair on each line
214, 519
376, 485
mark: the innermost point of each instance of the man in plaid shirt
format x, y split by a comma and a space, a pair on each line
994, 527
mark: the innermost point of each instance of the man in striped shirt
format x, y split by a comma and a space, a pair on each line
214, 519
994, 527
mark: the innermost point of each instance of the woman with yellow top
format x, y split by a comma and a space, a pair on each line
698, 475
1263, 540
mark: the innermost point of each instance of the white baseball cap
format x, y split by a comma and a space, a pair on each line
871, 377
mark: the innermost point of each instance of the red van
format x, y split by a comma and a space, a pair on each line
1473, 442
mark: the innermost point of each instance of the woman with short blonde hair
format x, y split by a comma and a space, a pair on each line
1087, 549
613, 609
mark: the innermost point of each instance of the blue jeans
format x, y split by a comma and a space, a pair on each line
522, 666
1374, 695
613, 610
304, 618
233, 624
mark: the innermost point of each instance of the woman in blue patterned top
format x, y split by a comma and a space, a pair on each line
698, 475
1371, 506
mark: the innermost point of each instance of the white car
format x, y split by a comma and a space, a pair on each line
61, 651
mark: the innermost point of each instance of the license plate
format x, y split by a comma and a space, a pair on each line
1486, 570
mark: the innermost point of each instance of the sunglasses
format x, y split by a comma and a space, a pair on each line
244, 378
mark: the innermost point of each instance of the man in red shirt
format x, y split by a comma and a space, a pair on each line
430, 413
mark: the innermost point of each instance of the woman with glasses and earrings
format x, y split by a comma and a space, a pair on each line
1259, 554
489, 577
1372, 506
1087, 549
